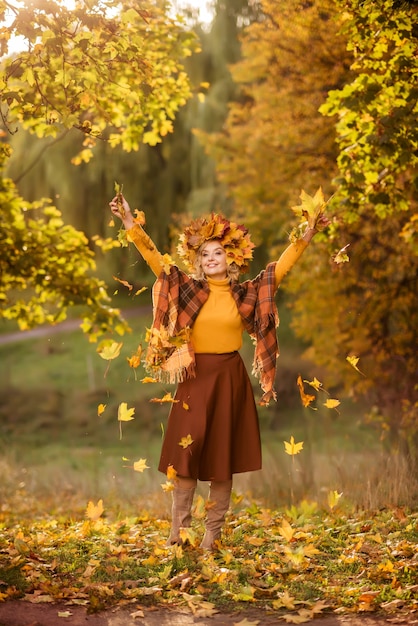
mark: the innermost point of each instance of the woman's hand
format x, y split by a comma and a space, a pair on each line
321, 223
121, 209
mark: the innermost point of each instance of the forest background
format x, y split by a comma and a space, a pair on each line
240, 115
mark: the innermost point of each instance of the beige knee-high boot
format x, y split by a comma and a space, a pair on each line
219, 497
181, 515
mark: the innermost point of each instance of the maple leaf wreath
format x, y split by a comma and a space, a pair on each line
234, 238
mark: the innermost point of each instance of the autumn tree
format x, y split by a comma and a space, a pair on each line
114, 72
374, 314
353, 63
274, 141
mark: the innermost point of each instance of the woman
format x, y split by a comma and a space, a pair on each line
199, 319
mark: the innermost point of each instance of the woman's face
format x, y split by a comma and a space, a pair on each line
213, 259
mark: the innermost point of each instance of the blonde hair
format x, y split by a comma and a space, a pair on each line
232, 270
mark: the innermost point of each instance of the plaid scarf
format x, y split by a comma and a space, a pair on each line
177, 300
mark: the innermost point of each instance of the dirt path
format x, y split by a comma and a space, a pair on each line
21, 613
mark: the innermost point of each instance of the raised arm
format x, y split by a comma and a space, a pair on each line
293, 251
143, 242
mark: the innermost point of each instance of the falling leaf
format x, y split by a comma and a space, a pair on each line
315, 383
138, 293
134, 361
101, 409
341, 256
167, 486
94, 511
167, 398
332, 403
148, 380
333, 499
123, 282
125, 414
353, 360
185, 442
139, 217
185, 406
141, 465
171, 473
109, 349
306, 399
166, 262
293, 448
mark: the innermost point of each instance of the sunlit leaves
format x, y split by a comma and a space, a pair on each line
311, 207
99, 72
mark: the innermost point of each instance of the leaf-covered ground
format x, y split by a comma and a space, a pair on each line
300, 562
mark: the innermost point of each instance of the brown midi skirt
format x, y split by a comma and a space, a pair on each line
215, 411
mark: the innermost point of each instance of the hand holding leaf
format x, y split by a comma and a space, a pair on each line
119, 199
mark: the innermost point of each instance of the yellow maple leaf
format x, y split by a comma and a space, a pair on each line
123, 282
167, 486
125, 414
286, 530
109, 349
101, 409
341, 256
311, 207
171, 473
185, 442
141, 465
332, 403
166, 262
306, 398
166, 398
139, 217
333, 499
315, 383
94, 511
148, 379
291, 447
353, 360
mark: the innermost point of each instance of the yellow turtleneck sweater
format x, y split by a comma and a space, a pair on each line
218, 327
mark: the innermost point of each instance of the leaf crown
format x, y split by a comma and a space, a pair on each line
234, 238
